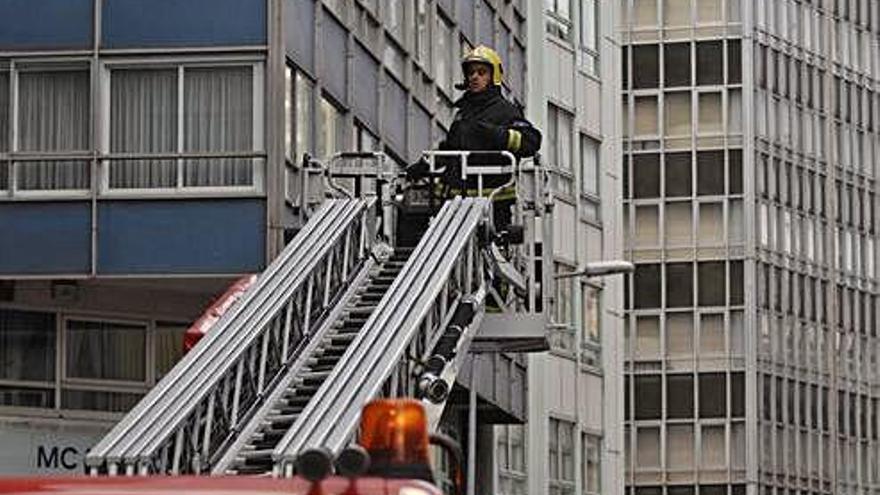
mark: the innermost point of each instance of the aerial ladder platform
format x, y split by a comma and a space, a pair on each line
344, 315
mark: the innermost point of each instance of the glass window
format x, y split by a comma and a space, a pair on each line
331, 129
679, 396
677, 118
560, 456
646, 116
646, 175
304, 108
106, 351
712, 334
27, 345
590, 168
444, 68
713, 449
54, 115
680, 447
677, 64
679, 225
734, 62
713, 395
4, 120
558, 13
592, 462
679, 335
646, 66
678, 174
591, 312
647, 342
709, 62
679, 285
225, 98
422, 51
648, 448
589, 29
710, 173
711, 283
647, 286
710, 228
709, 114
168, 346
143, 119
647, 395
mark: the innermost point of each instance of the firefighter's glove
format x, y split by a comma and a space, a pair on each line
417, 170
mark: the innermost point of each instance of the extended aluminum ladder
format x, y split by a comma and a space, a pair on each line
336, 320
200, 407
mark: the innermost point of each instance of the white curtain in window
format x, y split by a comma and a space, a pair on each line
679, 335
680, 447
4, 127
304, 93
4, 113
143, 119
218, 116
53, 115
106, 351
679, 231
646, 116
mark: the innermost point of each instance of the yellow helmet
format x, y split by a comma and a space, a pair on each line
484, 55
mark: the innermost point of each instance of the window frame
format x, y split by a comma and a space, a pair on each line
555, 23
257, 154
60, 381
556, 481
13, 156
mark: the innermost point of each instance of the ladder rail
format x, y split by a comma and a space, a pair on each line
228, 456
149, 438
330, 417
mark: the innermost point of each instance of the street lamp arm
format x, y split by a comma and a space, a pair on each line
600, 269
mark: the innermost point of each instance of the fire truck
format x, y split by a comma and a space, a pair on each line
376, 304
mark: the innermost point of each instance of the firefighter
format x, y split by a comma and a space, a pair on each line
486, 121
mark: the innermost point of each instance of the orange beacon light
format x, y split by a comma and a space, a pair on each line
395, 433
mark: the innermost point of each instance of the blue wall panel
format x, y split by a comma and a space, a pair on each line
45, 24
146, 23
181, 236
45, 238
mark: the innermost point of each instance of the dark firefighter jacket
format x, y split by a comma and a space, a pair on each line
482, 123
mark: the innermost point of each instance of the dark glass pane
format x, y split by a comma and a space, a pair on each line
709, 62
737, 395
647, 398
624, 69
27, 397
679, 285
713, 395
678, 174
713, 489
646, 66
649, 490
680, 490
106, 351
734, 62
710, 173
647, 286
734, 166
736, 283
711, 283
680, 396
646, 175
27, 345
677, 64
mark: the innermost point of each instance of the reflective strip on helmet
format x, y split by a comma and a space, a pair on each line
514, 140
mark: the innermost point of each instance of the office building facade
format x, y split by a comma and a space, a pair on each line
750, 195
